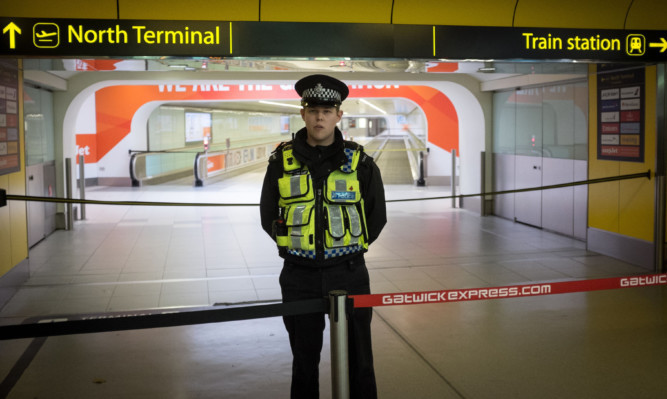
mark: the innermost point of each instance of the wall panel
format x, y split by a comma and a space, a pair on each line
218, 10
5, 232
591, 14
349, 11
13, 217
59, 9
623, 207
647, 14
454, 12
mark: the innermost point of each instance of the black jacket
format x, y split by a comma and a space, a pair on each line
321, 161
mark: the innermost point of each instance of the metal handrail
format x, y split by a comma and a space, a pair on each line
200, 159
135, 155
200, 165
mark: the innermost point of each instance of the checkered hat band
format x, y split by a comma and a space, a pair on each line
322, 94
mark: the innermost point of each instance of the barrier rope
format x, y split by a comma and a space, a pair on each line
121, 321
13, 197
646, 174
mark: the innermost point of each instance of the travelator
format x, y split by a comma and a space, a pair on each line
156, 167
400, 157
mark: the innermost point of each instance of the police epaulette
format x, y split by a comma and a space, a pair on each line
277, 153
356, 146
353, 145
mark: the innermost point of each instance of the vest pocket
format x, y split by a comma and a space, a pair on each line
342, 188
344, 226
293, 188
300, 224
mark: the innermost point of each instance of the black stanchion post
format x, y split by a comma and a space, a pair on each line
453, 178
133, 170
68, 187
82, 185
421, 182
340, 378
199, 182
3, 197
483, 183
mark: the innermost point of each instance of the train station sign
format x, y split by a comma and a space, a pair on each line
21, 37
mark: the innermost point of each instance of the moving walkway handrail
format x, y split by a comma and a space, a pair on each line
200, 159
201, 172
136, 154
378, 151
412, 144
199, 169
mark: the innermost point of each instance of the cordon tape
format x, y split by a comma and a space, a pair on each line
510, 291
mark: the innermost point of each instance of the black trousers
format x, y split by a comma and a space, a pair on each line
306, 331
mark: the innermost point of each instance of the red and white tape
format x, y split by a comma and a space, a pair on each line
510, 291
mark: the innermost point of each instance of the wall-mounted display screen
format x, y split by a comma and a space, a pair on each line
284, 124
197, 126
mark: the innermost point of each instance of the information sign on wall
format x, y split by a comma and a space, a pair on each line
620, 112
9, 127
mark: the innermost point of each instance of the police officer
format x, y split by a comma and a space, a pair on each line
323, 203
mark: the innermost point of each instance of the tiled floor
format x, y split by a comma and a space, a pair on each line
607, 344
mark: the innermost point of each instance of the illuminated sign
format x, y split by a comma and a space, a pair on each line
464, 42
122, 38
23, 36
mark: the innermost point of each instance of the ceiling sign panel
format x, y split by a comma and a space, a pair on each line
224, 39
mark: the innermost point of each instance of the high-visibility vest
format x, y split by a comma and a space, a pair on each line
321, 222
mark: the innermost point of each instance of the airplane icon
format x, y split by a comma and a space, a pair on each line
46, 35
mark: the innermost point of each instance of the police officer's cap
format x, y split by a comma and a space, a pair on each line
321, 90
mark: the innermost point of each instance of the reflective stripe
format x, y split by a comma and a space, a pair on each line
355, 224
297, 221
341, 185
295, 186
336, 225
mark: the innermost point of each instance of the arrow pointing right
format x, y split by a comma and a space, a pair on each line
663, 44
13, 29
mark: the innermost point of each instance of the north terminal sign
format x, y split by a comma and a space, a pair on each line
28, 37
23, 37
